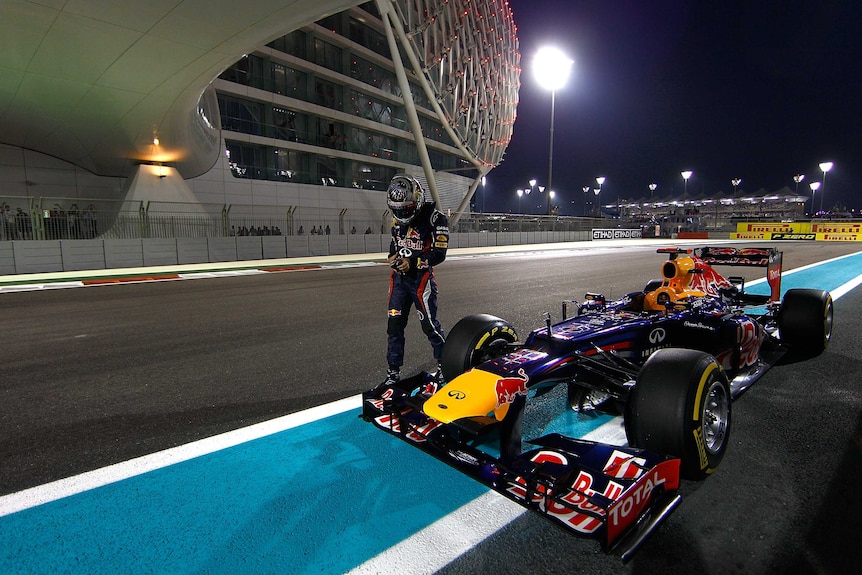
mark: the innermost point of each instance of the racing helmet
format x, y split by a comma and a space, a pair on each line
404, 198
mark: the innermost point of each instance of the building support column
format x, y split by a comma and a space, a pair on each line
390, 20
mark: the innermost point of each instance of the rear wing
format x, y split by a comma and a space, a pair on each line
768, 258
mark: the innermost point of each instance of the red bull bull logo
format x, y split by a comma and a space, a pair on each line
508, 388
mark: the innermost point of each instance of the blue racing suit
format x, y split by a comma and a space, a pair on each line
423, 242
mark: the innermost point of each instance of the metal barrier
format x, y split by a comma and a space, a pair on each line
61, 218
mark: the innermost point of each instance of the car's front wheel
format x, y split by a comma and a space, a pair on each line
473, 340
680, 406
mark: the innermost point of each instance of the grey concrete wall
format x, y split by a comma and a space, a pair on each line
30, 256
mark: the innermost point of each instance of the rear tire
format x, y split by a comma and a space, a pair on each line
680, 406
805, 321
473, 340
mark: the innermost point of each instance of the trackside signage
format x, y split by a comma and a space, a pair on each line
810, 231
616, 234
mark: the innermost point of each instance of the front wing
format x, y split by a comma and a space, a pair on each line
617, 495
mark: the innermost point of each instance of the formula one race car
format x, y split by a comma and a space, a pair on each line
668, 359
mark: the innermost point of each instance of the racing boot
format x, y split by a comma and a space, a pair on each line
435, 382
393, 376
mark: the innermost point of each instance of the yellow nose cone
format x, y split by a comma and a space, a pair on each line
475, 393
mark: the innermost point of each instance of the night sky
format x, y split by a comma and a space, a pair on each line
759, 90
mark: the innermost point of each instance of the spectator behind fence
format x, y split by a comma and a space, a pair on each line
9, 231
74, 222
25, 227
89, 223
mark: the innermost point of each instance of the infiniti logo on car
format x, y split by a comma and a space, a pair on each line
657, 335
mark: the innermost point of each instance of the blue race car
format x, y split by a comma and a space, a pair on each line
669, 359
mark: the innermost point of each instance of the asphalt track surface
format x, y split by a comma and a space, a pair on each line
101, 375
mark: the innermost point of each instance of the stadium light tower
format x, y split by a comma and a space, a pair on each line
686, 174
600, 181
814, 187
824, 167
798, 178
552, 69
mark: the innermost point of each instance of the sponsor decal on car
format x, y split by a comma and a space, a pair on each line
657, 335
621, 465
625, 511
415, 433
574, 507
522, 356
698, 325
507, 388
749, 338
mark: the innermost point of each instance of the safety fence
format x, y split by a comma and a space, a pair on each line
59, 218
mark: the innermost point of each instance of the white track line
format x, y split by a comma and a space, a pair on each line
53, 491
449, 537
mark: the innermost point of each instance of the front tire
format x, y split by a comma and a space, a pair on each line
805, 321
680, 406
473, 340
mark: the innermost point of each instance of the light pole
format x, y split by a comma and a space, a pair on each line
814, 187
597, 207
552, 69
484, 181
798, 178
735, 183
585, 189
520, 194
600, 181
551, 195
652, 188
824, 167
686, 174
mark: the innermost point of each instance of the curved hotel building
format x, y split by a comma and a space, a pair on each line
321, 108
297, 135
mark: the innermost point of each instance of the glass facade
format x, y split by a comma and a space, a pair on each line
342, 64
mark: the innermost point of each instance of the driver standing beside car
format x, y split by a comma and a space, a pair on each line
420, 238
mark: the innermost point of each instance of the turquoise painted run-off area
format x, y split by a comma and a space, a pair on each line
319, 498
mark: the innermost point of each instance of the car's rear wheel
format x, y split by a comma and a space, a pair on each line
473, 340
680, 406
805, 321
